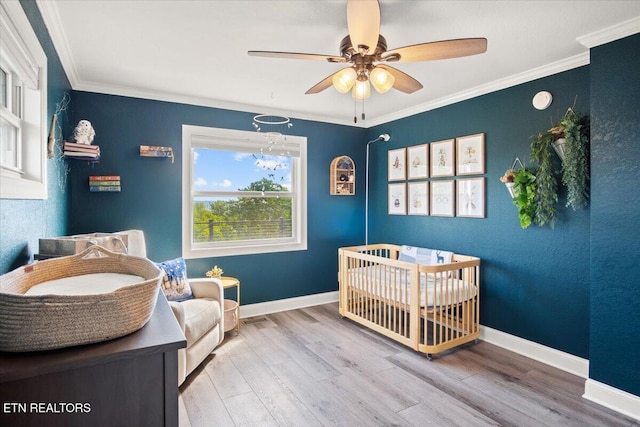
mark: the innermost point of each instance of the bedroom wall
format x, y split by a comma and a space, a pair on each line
151, 192
535, 282
571, 288
23, 222
615, 215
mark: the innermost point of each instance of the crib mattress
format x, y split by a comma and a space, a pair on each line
393, 284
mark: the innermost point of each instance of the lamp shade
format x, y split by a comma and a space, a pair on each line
344, 80
361, 90
381, 79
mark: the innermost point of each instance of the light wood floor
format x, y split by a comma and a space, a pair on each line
310, 367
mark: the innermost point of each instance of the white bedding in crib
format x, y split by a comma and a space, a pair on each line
391, 283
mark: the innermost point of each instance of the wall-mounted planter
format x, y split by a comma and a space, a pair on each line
510, 188
559, 145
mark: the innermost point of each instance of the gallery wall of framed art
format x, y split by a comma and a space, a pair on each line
442, 178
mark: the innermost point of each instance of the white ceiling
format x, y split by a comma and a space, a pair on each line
196, 51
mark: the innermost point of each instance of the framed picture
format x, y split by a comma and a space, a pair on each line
470, 154
418, 161
418, 198
470, 197
397, 199
442, 158
397, 169
442, 198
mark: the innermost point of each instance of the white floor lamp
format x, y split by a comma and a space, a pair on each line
384, 137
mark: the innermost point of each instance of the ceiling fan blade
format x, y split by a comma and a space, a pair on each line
444, 49
295, 55
324, 84
363, 20
404, 82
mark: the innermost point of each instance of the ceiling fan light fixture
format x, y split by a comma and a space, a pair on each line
364, 47
381, 79
344, 80
361, 90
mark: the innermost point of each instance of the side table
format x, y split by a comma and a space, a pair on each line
232, 306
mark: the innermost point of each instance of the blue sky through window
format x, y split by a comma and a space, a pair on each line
221, 170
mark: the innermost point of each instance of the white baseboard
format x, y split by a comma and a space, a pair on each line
262, 308
550, 356
612, 398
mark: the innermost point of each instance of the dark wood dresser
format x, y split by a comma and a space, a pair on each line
129, 381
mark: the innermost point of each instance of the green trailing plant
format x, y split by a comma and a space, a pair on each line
546, 182
524, 187
574, 128
575, 166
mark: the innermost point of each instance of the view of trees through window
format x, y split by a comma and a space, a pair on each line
244, 218
241, 196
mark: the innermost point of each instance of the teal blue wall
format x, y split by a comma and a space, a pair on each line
615, 215
23, 222
571, 288
152, 193
535, 282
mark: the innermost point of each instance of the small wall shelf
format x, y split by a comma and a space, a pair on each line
156, 151
342, 176
104, 184
85, 152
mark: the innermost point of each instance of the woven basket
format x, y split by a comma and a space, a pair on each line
45, 322
230, 315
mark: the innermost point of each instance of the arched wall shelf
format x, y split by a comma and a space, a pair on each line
342, 176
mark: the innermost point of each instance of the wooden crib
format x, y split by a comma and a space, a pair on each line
430, 308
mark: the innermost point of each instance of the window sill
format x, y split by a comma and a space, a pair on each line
204, 251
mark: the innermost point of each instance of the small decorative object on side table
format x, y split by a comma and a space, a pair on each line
215, 272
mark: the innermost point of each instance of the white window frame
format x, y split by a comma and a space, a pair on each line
24, 57
203, 137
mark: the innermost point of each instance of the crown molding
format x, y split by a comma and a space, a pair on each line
514, 80
51, 18
205, 102
607, 35
536, 73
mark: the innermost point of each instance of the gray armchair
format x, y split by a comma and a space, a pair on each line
200, 318
202, 322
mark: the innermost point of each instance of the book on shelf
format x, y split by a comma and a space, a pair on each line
113, 188
155, 151
81, 154
81, 147
104, 183
72, 149
104, 178
95, 159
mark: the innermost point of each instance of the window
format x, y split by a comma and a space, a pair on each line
23, 100
242, 193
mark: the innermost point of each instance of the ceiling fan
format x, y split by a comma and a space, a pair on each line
365, 49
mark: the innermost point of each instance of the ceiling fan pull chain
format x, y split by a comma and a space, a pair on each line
355, 111
363, 108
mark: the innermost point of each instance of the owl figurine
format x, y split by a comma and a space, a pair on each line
84, 133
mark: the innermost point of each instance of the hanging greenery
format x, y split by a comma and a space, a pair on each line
575, 166
524, 188
570, 139
546, 196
